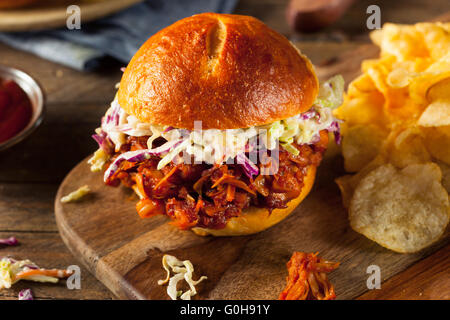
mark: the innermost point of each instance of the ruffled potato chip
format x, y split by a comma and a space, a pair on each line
406, 146
345, 186
361, 145
438, 111
436, 114
397, 120
403, 210
364, 109
433, 75
362, 84
401, 41
397, 103
436, 38
348, 183
440, 90
399, 78
437, 141
445, 175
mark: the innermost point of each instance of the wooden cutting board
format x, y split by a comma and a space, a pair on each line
124, 252
45, 14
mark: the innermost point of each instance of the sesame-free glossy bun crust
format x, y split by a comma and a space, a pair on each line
229, 71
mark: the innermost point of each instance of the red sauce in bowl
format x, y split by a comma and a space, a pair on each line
15, 109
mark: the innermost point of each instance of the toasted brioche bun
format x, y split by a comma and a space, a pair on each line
253, 219
228, 71
7, 4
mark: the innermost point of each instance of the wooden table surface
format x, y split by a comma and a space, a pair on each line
32, 170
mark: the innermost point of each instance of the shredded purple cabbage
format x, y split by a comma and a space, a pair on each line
11, 241
335, 128
250, 169
139, 156
168, 129
104, 142
26, 294
309, 114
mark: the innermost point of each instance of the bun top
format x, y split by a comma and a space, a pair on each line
229, 71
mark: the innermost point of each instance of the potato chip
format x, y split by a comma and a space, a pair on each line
406, 146
362, 84
397, 120
361, 145
422, 83
403, 210
437, 142
399, 78
436, 38
348, 183
345, 186
436, 114
440, 90
397, 106
402, 41
445, 175
364, 109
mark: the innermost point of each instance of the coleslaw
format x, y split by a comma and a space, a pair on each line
12, 270
214, 146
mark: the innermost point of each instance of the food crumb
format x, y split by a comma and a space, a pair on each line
76, 195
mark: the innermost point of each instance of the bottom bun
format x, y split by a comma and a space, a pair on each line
254, 219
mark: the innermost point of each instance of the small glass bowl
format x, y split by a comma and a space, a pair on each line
36, 96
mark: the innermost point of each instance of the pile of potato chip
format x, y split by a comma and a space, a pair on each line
397, 138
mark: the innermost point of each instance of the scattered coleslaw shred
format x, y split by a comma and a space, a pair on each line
98, 160
76, 195
12, 271
182, 270
25, 294
11, 241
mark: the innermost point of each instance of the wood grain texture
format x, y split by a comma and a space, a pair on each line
124, 252
47, 250
427, 279
30, 175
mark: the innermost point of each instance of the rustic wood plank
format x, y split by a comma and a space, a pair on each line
27, 207
62, 140
64, 85
427, 279
126, 256
124, 252
47, 250
48, 154
67, 90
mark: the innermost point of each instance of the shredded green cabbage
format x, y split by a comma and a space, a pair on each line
10, 268
331, 92
98, 160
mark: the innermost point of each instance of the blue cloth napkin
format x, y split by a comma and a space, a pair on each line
118, 36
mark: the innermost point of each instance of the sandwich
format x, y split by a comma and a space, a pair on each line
219, 123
